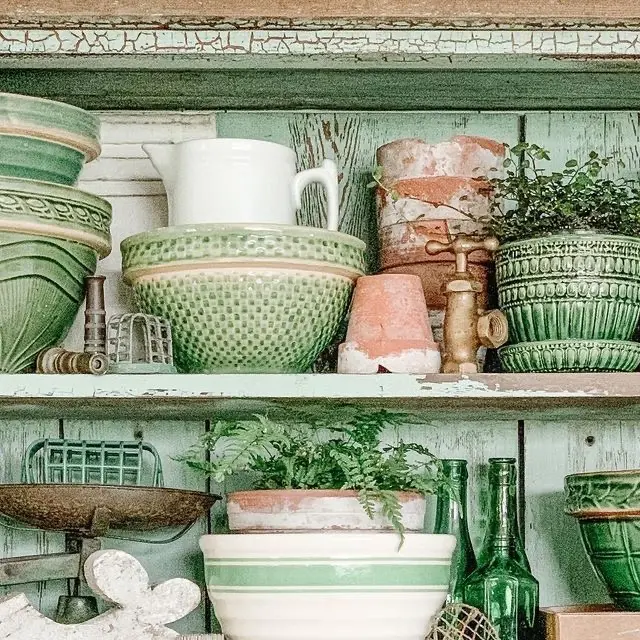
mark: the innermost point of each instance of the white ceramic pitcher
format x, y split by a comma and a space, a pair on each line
232, 180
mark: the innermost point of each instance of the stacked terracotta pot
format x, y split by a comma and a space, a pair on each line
433, 192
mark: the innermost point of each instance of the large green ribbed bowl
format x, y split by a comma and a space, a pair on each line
50, 239
607, 506
573, 286
244, 298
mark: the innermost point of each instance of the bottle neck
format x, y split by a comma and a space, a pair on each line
451, 506
502, 527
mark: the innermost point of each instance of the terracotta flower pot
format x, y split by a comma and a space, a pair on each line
469, 156
273, 511
389, 327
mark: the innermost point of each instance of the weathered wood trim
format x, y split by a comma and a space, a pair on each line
192, 396
161, 13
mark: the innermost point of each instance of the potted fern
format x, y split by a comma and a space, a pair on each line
303, 560
568, 268
320, 474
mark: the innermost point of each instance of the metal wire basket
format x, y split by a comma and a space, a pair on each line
461, 622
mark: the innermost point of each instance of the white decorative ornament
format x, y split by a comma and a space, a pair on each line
141, 612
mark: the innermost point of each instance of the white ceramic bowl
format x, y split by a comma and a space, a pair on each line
321, 586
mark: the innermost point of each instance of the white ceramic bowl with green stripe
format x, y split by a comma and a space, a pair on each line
327, 586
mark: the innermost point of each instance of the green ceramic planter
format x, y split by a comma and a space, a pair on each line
570, 287
570, 355
607, 506
35, 159
41, 290
50, 239
245, 299
49, 120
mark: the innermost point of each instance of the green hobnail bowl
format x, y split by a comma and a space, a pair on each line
570, 355
50, 239
607, 506
245, 299
35, 159
581, 286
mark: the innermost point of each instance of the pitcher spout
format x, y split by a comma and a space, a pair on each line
162, 157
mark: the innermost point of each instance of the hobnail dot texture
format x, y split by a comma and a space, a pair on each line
153, 248
225, 321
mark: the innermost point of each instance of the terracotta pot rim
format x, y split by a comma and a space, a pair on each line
316, 493
427, 345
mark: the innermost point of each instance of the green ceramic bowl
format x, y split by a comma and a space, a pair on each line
35, 159
47, 209
240, 299
56, 122
570, 355
50, 239
607, 506
570, 287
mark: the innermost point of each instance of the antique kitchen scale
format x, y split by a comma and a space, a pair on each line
89, 490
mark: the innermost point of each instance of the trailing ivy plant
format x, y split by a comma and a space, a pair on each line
531, 202
322, 453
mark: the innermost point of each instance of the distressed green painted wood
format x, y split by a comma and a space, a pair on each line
351, 139
322, 89
476, 442
181, 558
554, 450
15, 437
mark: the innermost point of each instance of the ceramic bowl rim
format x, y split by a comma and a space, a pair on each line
569, 342
57, 103
163, 234
568, 238
44, 188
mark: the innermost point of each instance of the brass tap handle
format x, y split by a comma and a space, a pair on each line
462, 245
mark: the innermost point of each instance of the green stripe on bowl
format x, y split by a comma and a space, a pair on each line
342, 589
327, 575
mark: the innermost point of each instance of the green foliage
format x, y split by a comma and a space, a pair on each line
344, 452
530, 202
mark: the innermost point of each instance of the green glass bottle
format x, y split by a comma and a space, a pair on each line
502, 587
451, 517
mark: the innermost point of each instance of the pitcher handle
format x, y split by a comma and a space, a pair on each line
327, 175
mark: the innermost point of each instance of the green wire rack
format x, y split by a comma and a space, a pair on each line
92, 462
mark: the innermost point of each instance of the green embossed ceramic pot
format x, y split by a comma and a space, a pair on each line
50, 239
344, 586
245, 298
607, 506
567, 287
45, 140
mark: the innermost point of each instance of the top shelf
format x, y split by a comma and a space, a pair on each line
505, 396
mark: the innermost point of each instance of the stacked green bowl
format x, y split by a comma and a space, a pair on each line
607, 507
51, 234
245, 298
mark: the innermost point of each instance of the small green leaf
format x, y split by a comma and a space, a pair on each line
571, 163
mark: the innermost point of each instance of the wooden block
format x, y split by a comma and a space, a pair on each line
588, 622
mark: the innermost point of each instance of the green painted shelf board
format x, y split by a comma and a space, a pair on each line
206, 396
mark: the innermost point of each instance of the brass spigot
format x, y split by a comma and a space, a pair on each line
465, 326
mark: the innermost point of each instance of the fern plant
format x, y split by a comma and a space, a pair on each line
317, 453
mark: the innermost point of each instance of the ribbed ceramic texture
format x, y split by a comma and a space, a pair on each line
579, 286
35, 159
570, 355
56, 206
247, 320
205, 242
602, 490
41, 290
613, 547
327, 585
